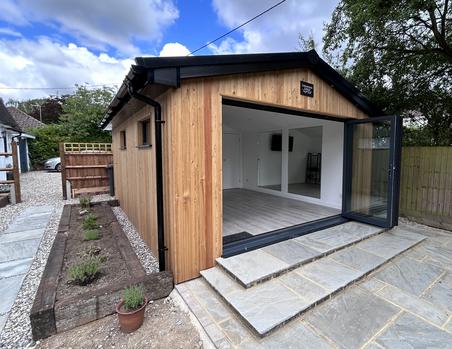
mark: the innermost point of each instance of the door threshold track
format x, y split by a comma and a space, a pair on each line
272, 237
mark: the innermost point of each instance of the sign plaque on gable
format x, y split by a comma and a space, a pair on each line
306, 89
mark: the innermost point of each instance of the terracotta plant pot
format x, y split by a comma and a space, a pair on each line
130, 321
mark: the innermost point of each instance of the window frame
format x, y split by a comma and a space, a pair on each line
122, 140
144, 133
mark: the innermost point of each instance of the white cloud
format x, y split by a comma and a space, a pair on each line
45, 63
10, 12
10, 32
174, 49
277, 30
98, 24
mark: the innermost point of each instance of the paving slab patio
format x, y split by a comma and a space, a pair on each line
441, 292
346, 318
418, 306
260, 265
370, 314
408, 331
269, 305
410, 275
18, 246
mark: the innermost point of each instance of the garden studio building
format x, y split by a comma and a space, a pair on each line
217, 155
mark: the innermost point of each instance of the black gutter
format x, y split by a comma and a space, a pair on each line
158, 170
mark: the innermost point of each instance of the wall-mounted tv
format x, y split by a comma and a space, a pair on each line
276, 144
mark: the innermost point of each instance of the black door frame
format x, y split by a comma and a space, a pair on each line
395, 146
272, 237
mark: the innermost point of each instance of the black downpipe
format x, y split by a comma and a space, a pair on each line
159, 170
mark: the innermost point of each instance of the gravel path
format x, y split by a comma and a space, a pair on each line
166, 325
143, 252
44, 188
38, 188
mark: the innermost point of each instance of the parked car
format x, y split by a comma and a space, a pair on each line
53, 164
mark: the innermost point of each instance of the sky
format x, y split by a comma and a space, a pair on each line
56, 44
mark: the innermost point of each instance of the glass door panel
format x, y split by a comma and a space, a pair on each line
371, 165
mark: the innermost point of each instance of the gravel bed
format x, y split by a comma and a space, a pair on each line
143, 252
17, 330
37, 188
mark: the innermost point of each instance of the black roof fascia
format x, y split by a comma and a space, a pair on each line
168, 71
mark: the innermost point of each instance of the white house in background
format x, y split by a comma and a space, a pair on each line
25, 123
13, 125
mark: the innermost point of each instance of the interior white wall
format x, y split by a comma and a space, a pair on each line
268, 162
332, 164
236, 162
253, 123
304, 142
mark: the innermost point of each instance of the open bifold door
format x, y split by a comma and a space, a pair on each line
372, 151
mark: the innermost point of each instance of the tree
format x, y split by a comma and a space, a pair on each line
399, 53
82, 113
50, 108
46, 143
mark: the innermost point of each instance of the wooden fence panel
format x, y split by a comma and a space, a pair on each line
426, 185
84, 165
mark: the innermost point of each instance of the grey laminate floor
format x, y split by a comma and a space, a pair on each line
256, 213
305, 189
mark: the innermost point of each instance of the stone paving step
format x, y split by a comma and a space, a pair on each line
257, 266
18, 247
269, 305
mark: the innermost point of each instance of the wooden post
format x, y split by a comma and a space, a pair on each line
63, 171
16, 172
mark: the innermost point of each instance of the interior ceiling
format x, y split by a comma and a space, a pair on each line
253, 120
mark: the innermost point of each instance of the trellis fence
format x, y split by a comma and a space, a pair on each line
84, 168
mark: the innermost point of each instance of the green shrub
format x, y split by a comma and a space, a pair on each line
85, 201
90, 222
85, 272
91, 234
133, 297
46, 143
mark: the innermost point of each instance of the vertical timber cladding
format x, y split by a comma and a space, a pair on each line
192, 137
135, 176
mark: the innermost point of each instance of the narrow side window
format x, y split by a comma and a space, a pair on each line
123, 140
144, 135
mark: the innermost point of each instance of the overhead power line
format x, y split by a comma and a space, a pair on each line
238, 27
54, 88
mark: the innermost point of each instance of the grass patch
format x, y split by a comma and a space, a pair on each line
90, 222
85, 272
133, 297
91, 234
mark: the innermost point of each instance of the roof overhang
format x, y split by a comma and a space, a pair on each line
168, 72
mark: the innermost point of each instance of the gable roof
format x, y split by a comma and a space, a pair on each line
23, 120
169, 71
6, 118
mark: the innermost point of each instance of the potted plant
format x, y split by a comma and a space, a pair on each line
131, 309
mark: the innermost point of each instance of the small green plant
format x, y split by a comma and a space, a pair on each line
90, 222
91, 234
85, 201
91, 251
85, 272
133, 297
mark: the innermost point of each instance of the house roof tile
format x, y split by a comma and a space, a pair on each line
23, 120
